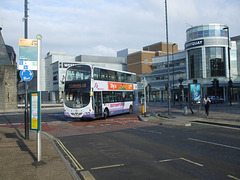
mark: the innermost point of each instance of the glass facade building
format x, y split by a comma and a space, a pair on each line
205, 58
206, 48
211, 30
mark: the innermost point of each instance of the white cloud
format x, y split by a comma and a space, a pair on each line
102, 27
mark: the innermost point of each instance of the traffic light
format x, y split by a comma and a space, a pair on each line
215, 83
149, 88
181, 86
230, 83
166, 87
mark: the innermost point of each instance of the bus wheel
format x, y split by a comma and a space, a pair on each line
130, 109
106, 113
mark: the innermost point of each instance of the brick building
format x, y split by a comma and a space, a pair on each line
140, 62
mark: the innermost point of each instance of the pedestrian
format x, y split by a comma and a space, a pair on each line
206, 102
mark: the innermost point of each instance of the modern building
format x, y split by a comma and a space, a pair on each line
235, 56
140, 61
158, 78
205, 58
125, 52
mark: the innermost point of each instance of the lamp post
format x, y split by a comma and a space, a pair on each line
169, 88
229, 69
26, 117
173, 73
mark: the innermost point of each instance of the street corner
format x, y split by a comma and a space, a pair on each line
164, 119
48, 127
152, 117
176, 123
105, 122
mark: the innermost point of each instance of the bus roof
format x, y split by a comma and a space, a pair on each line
94, 66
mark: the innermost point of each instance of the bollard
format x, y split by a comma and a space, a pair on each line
143, 109
185, 110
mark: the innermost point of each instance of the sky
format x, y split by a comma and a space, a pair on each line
103, 27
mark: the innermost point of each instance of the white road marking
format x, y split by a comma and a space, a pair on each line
110, 166
217, 144
155, 132
184, 159
230, 176
168, 160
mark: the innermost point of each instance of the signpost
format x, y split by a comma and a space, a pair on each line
27, 54
27, 62
26, 75
39, 139
35, 108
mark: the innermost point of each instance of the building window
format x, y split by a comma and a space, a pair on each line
145, 61
215, 61
195, 63
206, 31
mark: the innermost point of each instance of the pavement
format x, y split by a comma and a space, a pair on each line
219, 114
18, 155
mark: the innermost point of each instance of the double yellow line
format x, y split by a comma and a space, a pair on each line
67, 152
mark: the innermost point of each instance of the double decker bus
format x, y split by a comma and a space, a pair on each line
95, 92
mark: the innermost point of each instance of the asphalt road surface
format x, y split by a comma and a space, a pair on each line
157, 152
46, 116
151, 152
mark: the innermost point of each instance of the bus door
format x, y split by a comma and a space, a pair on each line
98, 104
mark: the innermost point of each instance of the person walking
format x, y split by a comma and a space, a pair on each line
206, 102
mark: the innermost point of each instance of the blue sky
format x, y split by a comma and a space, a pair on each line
103, 27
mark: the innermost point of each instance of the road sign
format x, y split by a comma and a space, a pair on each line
144, 82
26, 75
28, 49
35, 110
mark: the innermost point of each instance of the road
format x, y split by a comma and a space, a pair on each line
156, 152
47, 115
122, 147
18, 117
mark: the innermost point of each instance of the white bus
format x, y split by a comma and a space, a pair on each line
95, 92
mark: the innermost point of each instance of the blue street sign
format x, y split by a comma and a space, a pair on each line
26, 75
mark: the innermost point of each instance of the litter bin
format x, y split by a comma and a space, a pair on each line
185, 110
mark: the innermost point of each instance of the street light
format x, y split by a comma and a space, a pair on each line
229, 69
169, 88
173, 73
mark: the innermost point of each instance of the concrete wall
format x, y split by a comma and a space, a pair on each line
8, 88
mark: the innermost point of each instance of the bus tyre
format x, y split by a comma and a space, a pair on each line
130, 109
106, 113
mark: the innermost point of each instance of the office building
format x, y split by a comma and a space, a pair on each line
205, 58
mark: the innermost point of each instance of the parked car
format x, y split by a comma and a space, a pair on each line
216, 99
